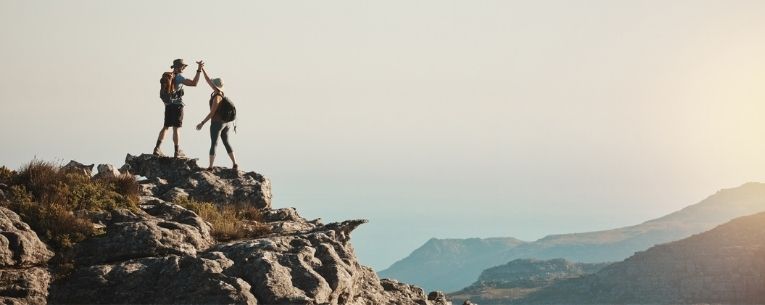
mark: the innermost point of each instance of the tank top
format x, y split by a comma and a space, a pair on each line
216, 116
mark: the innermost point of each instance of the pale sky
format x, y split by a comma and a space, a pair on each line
445, 119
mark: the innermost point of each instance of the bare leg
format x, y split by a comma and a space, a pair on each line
160, 138
233, 158
176, 135
212, 159
161, 134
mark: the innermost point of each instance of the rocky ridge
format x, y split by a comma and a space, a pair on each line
162, 253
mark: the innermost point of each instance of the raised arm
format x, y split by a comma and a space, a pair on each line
209, 81
193, 83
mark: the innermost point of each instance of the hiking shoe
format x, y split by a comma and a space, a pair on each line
158, 152
179, 154
235, 167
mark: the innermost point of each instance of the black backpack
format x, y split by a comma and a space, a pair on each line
226, 110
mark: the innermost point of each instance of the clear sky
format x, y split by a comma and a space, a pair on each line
429, 118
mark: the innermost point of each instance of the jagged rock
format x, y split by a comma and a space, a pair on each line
164, 253
106, 171
395, 290
222, 186
172, 279
284, 214
23, 278
27, 286
78, 167
159, 228
19, 245
437, 298
287, 221
175, 194
312, 268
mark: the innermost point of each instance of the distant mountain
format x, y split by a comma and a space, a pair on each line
519, 278
452, 264
723, 266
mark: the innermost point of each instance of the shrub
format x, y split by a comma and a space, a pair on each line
229, 222
7, 176
47, 197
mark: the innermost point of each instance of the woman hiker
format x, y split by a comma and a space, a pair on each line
218, 127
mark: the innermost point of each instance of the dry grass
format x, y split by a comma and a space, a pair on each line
230, 222
6, 175
46, 197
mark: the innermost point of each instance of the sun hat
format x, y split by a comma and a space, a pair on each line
177, 63
217, 82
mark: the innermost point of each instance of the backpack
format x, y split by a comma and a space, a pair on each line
226, 110
167, 90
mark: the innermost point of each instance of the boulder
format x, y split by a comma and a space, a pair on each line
437, 298
158, 229
23, 257
74, 166
176, 178
106, 171
19, 245
172, 279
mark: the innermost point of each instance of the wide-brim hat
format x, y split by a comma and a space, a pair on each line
178, 63
217, 82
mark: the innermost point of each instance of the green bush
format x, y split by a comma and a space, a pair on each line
229, 222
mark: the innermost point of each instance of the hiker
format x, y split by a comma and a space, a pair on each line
171, 94
220, 118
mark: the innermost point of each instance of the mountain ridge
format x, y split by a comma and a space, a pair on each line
456, 270
723, 265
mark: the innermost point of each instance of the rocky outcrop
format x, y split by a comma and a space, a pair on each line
164, 253
167, 257
158, 228
722, 266
24, 277
175, 178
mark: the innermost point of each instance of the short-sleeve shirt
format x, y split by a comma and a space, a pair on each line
178, 84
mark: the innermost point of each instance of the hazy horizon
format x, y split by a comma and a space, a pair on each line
445, 119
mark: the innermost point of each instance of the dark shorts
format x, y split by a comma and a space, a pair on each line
173, 115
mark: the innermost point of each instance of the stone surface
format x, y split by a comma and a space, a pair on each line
24, 286
78, 167
171, 279
185, 179
159, 228
106, 171
19, 245
23, 257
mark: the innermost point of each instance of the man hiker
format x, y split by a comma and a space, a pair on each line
171, 94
